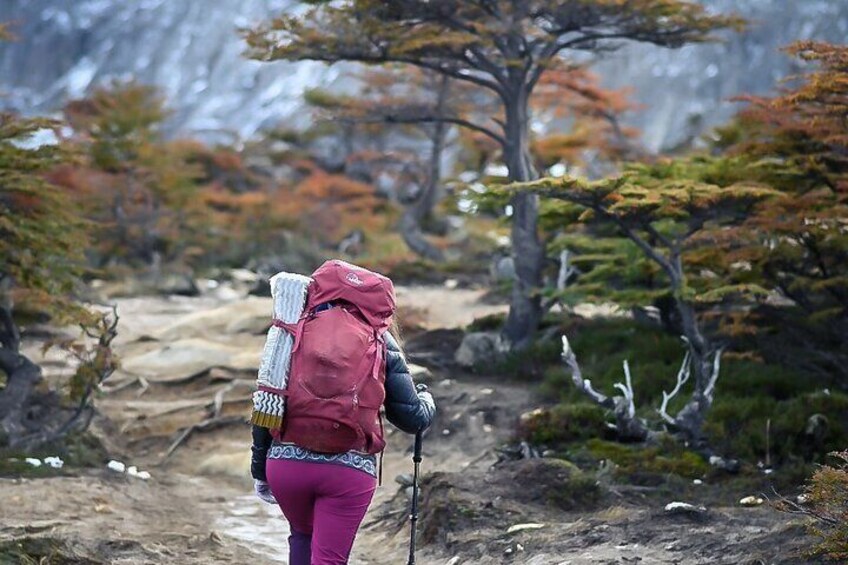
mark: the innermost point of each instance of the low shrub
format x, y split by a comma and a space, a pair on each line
564, 423
667, 457
826, 504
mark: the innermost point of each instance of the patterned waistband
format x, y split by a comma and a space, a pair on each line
361, 461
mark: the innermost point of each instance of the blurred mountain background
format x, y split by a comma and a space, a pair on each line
190, 49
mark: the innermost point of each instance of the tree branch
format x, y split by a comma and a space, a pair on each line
461, 122
682, 378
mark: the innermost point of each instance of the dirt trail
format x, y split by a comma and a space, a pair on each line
185, 358
198, 507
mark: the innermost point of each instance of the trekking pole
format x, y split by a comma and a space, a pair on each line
413, 516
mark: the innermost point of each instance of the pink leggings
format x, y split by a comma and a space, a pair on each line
324, 504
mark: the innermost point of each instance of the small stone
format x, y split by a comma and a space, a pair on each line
55, 462
487, 428
802, 499
116, 466
404, 480
33, 461
454, 560
143, 475
684, 508
751, 501
446, 432
523, 527
697, 482
451, 284
487, 391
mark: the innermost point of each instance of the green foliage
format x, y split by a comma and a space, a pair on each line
527, 364
749, 393
122, 121
487, 323
41, 234
374, 32
568, 488
77, 450
738, 423
630, 460
826, 505
602, 346
650, 232
138, 190
563, 423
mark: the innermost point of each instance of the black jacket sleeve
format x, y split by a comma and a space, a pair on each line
403, 406
259, 451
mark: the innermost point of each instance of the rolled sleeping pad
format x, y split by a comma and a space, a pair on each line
289, 292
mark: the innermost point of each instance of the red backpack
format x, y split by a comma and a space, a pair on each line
337, 379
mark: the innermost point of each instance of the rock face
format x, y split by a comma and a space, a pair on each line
480, 348
192, 50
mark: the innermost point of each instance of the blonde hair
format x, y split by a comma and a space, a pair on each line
394, 330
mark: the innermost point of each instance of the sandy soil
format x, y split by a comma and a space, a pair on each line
198, 508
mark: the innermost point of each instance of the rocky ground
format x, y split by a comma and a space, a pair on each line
187, 373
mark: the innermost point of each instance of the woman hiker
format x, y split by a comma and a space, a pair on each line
324, 493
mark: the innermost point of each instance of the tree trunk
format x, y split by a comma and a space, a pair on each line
410, 229
691, 417
21, 377
525, 309
422, 209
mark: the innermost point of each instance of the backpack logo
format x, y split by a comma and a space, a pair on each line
354, 279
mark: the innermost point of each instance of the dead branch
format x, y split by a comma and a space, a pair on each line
682, 378
566, 269
710, 389
582, 384
627, 424
627, 390
204, 426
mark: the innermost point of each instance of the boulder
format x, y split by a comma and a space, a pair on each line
419, 374
188, 357
176, 284
503, 269
480, 348
251, 315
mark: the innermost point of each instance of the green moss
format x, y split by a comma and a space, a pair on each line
556, 483
580, 492
487, 323
77, 451
563, 424
529, 363
41, 551
737, 425
666, 458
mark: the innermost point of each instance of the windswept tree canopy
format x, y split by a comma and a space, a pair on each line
468, 39
41, 236
502, 45
682, 226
